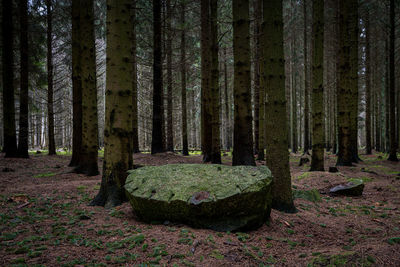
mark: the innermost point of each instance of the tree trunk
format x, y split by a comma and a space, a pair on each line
76, 85
317, 161
118, 114
243, 132
368, 85
228, 137
50, 112
23, 108
185, 150
261, 103
347, 13
10, 138
257, 59
170, 136
206, 107
392, 78
306, 84
277, 158
89, 150
157, 132
214, 84
135, 128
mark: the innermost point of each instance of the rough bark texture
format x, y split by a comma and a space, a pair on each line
135, 128
261, 118
317, 160
118, 121
88, 159
10, 138
76, 85
185, 149
157, 145
23, 108
243, 132
392, 79
257, 59
277, 158
170, 136
228, 136
306, 84
214, 84
347, 12
50, 111
368, 85
206, 107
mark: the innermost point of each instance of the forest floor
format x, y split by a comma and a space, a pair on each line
45, 220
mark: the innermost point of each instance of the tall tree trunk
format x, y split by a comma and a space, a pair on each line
392, 78
50, 111
261, 103
185, 150
243, 132
23, 108
157, 132
10, 138
206, 107
118, 114
135, 128
76, 85
90, 132
367, 85
317, 161
257, 59
306, 83
348, 11
228, 137
214, 84
170, 131
277, 158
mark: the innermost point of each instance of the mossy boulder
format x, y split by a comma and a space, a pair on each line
222, 198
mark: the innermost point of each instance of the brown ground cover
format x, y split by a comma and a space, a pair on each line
45, 221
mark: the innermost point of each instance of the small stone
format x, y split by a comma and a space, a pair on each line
333, 169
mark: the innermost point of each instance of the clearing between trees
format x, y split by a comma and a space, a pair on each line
46, 221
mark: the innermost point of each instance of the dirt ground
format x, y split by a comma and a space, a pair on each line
45, 221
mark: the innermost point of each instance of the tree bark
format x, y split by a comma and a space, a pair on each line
118, 121
10, 138
228, 137
317, 160
214, 84
157, 131
306, 84
277, 157
206, 107
347, 13
393, 141
89, 150
368, 85
243, 132
257, 59
185, 149
23, 109
170, 136
50, 92
135, 128
76, 85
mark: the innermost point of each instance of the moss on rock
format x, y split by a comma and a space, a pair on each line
218, 197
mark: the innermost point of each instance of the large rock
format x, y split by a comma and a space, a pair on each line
222, 198
353, 188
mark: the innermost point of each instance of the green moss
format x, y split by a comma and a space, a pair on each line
41, 175
213, 196
303, 175
310, 195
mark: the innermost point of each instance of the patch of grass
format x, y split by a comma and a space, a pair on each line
394, 240
310, 195
357, 180
41, 175
303, 175
217, 255
332, 260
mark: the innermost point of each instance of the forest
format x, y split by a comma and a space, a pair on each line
200, 133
